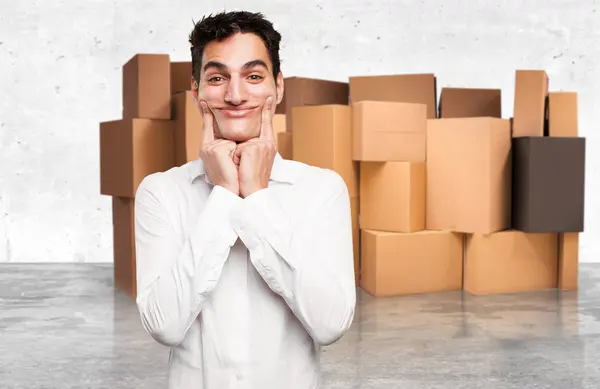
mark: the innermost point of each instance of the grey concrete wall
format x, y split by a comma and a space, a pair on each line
60, 75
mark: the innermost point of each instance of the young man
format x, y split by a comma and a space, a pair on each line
244, 259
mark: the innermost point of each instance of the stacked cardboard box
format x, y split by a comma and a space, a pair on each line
447, 196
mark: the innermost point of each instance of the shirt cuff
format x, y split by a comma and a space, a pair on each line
259, 218
215, 218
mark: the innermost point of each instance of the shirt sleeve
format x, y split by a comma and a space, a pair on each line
309, 261
176, 273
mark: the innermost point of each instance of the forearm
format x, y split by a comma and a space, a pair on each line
309, 264
174, 278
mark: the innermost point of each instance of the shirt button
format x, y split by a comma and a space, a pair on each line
238, 376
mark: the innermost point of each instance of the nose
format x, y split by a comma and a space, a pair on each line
236, 93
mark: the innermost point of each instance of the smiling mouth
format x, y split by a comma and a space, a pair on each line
236, 113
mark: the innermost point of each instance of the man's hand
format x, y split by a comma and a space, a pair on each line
217, 155
255, 157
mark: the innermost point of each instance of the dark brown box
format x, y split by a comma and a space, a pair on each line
124, 245
548, 184
469, 102
132, 149
147, 87
402, 88
181, 77
301, 91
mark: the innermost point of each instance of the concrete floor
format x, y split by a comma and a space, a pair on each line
63, 326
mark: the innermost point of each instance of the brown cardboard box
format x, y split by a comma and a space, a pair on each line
568, 261
181, 77
548, 184
187, 126
284, 145
403, 88
278, 125
147, 87
469, 102
354, 209
392, 196
563, 114
132, 149
302, 91
531, 93
510, 261
388, 131
394, 263
124, 245
322, 137
468, 174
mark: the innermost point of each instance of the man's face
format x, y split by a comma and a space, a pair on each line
235, 80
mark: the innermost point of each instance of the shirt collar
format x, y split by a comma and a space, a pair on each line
281, 171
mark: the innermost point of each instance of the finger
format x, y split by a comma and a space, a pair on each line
266, 127
208, 133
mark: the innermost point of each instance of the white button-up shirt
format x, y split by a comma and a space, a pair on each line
245, 291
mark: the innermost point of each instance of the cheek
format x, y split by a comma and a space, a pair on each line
211, 94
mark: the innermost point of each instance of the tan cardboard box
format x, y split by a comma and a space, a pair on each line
468, 175
132, 149
568, 261
284, 145
388, 131
279, 125
470, 102
124, 245
187, 125
147, 87
181, 77
394, 263
354, 209
302, 91
510, 261
563, 114
403, 88
531, 93
322, 137
392, 196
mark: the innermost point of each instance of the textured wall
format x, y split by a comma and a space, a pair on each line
60, 75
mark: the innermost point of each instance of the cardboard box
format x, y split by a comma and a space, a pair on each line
147, 87
403, 88
548, 184
302, 91
354, 209
279, 125
510, 261
124, 245
187, 126
322, 137
284, 145
530, 103
568, 261
132, 149
468, 175
563, 114
388, 131
394, 263
392, 196
469, 102
181, 77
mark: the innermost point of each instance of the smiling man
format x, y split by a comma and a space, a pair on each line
244, 260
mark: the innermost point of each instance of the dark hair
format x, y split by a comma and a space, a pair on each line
222, 25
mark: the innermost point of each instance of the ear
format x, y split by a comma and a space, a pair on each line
194, 88
280, 88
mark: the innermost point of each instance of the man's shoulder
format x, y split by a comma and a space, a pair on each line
315, 177
161, 183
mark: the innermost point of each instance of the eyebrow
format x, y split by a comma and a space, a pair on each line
248, 65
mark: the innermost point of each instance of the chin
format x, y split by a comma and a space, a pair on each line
239, 131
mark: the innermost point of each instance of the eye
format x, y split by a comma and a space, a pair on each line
215, 79
255, 77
